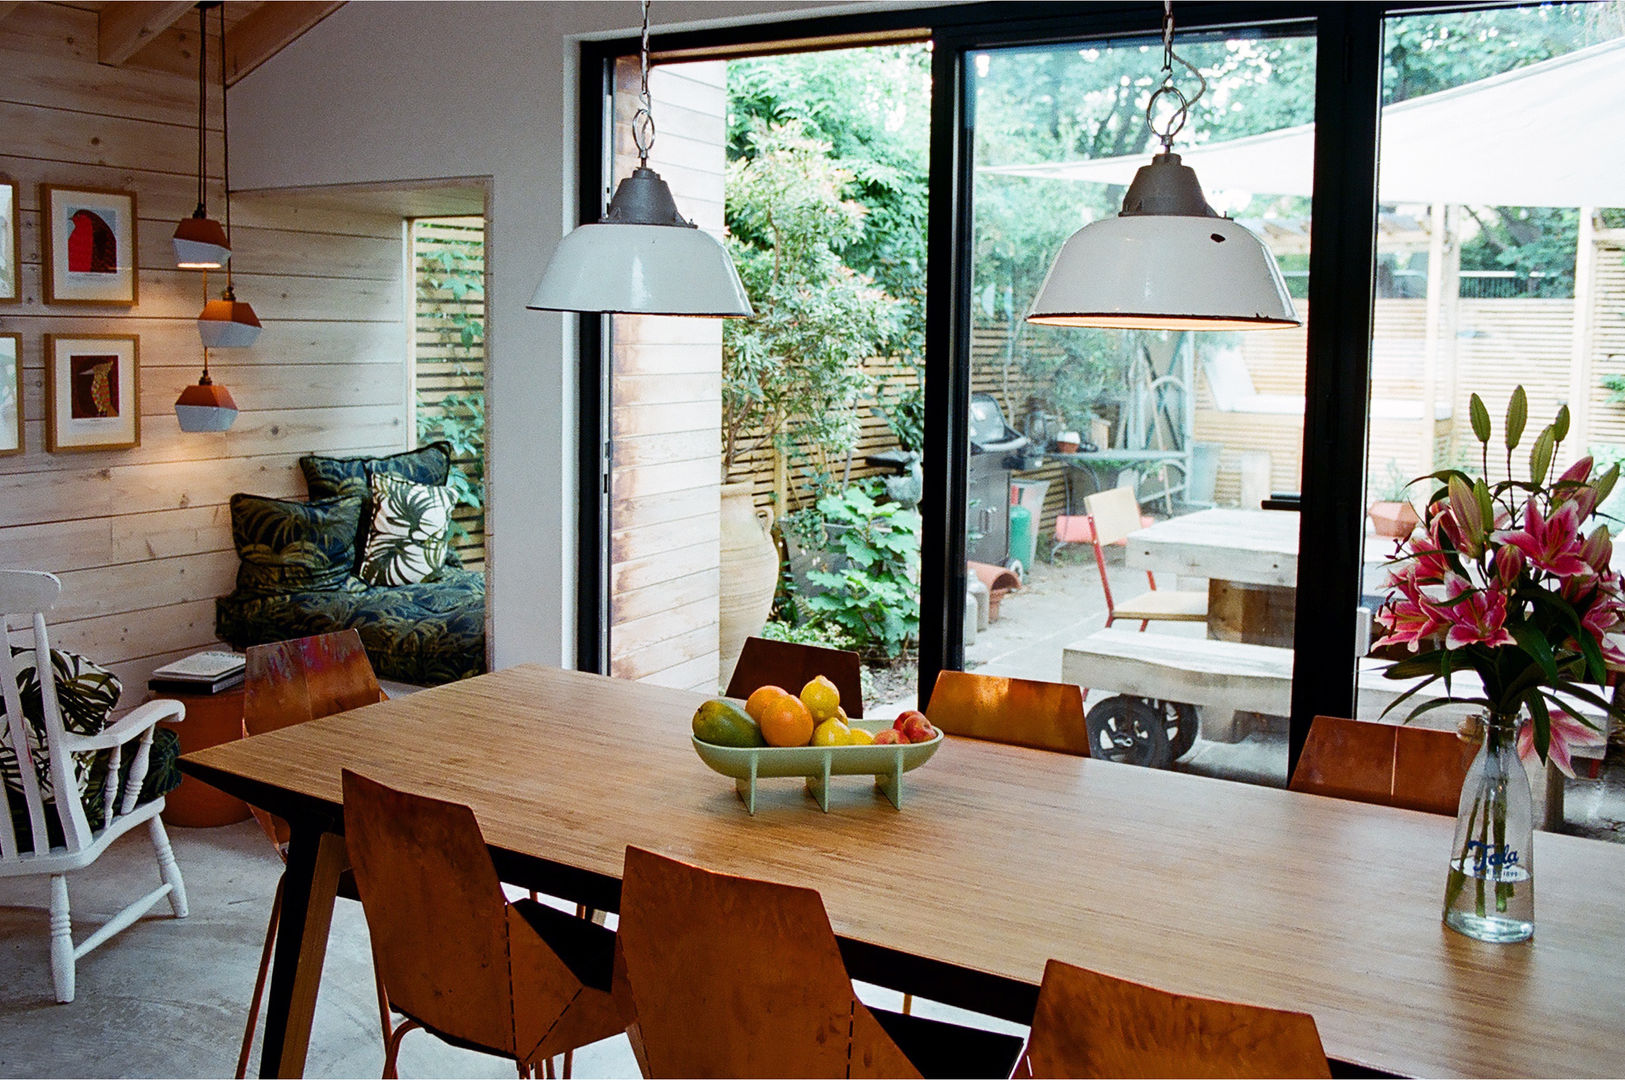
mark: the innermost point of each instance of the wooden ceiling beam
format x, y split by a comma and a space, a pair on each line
123, 28
267, 30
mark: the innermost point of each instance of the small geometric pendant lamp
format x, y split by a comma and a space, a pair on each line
204, 406
200, 242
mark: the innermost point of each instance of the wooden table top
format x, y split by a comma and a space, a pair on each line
1259, 547
1003, 857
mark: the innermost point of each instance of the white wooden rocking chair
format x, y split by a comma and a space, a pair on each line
30, 594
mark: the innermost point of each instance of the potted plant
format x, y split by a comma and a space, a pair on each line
1505, 597
1392, 515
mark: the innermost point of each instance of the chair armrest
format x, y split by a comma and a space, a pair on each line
132, 724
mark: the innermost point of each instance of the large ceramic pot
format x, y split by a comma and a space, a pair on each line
750, 573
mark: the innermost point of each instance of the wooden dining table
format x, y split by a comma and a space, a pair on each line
1001, 858
1250, 561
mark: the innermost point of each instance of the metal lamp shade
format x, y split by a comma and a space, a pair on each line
1157, 272
205, 407
228, 324
201, 244
614, 268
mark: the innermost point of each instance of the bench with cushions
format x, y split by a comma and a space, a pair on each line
369, 551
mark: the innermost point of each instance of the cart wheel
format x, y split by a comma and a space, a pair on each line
1179, 719
1128, 730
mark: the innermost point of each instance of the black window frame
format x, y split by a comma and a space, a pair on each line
1349, 58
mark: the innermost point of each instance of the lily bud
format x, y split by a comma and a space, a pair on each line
1509, 565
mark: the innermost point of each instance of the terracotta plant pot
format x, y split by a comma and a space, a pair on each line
1395, 520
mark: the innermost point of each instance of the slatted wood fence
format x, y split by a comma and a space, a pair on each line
447, 361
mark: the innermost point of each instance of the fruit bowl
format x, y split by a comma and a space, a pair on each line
886, 763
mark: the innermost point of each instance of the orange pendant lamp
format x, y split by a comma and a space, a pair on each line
200, 242
227, 323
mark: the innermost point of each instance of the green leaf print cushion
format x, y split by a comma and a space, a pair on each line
290, 546
411, 527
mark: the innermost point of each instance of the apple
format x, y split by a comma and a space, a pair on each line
917, 728
901, 723
889, 737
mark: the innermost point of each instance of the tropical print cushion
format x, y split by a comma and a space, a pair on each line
87, 693
411, 528
290, 546
330, 478
428, 633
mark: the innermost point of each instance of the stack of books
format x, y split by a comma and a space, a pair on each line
200, 673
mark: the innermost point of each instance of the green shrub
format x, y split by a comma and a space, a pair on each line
875, 598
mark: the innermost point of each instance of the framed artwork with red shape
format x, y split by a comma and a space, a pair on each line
92, 392
11, 394
88, 238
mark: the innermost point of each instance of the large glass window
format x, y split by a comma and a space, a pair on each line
1501, 263
1174, 440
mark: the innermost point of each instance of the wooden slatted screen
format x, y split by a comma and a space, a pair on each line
449, 348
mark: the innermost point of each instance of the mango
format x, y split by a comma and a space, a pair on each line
723, 723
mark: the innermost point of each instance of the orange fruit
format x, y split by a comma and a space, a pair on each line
786, 722
821, 698
761, 698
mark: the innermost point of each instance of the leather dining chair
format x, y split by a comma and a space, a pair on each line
791, 665
518, 979
730, 976
287, 683
1389, 764
1087, 1024
1026, 712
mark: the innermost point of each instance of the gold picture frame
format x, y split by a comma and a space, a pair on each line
92, 392
11, 270
11, 395
88, 239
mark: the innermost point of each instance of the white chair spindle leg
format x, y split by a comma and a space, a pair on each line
138, 773
110, 784
61, 939
168, 868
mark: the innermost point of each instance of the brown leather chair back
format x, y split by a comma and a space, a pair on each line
763, 662
1387, 764
1088, 1024
762, 959
1027, 712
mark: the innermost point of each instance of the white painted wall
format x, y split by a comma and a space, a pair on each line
357, 100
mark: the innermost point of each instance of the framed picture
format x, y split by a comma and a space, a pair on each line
10, 285
88, 239
92, 392
11, 394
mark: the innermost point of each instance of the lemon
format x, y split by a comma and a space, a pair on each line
860, 738
821, 698
831, 733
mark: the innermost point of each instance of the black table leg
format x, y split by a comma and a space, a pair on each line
316, 857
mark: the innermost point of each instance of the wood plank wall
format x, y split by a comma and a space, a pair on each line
666, 412
141, 537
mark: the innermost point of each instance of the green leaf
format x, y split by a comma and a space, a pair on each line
1517, 417
1392, 705
1480, 417
1540, 456
1415, 667
1439, 703
1541, 720
1533, 642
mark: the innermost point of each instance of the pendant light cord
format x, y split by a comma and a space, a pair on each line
643, 121
202, 99
225, 150
1176, 121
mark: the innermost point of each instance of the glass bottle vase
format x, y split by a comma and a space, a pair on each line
1490, 891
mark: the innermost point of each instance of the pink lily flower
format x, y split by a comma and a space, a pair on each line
1409, 618
1553, 543
1475, 616
1598, 549
1430, 565
1567, 734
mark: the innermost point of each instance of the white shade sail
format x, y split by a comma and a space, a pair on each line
1542, 135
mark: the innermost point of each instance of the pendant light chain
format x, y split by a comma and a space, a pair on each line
205, 380
202, 98
1176, 121
225, 150
643, 121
